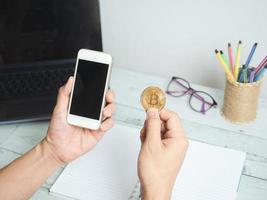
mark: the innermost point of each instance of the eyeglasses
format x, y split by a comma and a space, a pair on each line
199, 101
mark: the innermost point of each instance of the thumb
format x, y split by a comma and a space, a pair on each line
153, 127
64, 95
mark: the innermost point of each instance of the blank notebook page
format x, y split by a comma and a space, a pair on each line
109, 171
209, 173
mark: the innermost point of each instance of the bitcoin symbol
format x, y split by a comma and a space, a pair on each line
154, 99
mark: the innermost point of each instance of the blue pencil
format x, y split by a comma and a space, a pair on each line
251, 54
260, 74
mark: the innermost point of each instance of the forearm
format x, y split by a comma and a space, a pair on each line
21, 178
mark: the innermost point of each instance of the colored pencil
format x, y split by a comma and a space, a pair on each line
231, 60
251, 54
226, 68
260, 73
245, 74
251, 75
240, 75
224, 58
261, 65
237, 59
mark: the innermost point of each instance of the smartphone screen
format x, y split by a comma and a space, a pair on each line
89, 89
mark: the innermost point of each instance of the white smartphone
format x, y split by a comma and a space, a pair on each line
91, 80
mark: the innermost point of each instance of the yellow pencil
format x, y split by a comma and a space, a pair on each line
226, 68
237, 59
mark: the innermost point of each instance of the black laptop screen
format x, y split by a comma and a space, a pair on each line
47, 30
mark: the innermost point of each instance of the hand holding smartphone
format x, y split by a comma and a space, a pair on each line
91, 79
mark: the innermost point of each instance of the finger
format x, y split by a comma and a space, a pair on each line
142, 135
153, 127
163, 127
110, 96
109, 110
64, 95
168, 116
172, 123
106, 124
163, 130
104, 127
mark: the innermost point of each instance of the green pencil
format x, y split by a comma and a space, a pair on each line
224, 58
245, 74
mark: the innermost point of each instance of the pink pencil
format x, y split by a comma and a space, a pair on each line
261, 65
230, 55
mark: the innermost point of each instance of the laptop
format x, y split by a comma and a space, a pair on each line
39, 41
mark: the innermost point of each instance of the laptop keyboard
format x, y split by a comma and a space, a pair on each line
33, 83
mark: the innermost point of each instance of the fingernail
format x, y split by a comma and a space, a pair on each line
69, 78
109, 96
152, 113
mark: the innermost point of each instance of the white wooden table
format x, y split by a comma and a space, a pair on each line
16, 139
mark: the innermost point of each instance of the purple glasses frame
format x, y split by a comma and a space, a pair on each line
193, 93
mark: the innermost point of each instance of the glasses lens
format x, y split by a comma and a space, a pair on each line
201, 101
178, 87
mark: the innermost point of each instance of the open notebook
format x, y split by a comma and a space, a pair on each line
109, 171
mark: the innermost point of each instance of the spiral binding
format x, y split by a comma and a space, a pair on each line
135, 195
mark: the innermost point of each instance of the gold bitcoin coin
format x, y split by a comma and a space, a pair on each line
153, 97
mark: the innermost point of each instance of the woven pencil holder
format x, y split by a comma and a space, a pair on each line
241, 101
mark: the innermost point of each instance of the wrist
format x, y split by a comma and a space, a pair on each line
48, 154
155, 194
